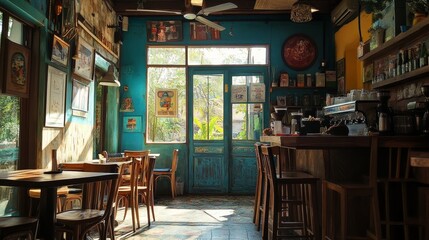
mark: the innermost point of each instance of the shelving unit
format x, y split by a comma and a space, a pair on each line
414, 35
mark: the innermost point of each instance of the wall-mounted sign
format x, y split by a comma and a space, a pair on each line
166, 102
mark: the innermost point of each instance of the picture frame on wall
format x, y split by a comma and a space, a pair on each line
164, 31
84, 62
166, 104
60, 51
132, 124
17, 70
55, 97
80, 98
201, 31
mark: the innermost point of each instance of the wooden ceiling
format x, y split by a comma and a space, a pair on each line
245, 7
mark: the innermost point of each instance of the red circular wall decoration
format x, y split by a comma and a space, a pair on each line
299, 52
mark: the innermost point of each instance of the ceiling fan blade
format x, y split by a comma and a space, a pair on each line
154, 11
217, 8
209, 23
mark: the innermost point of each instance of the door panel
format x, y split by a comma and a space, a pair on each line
208, 165
223, 132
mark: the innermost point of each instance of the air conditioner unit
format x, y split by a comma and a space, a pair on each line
344, 11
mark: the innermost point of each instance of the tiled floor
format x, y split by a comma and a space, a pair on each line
195, 217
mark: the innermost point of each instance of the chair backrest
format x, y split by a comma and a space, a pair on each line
101, 194
174, 160
139, 158
268, 162
258, 155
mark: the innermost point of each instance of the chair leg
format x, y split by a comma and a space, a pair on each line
173, 185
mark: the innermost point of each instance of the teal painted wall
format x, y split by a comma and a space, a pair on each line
266, 30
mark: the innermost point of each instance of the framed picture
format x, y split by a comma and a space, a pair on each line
85, 60
60, 51
299, 52
164, 31
284, 79
166, 103
368, 73
80, 96
17, 73
201, 31
257, 92
132, 124
238, 93
55, 97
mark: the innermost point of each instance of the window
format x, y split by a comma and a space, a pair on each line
227, 55
166, 69
246, 117
208, 107
166, 129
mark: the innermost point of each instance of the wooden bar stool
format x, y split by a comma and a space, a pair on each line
346, 192
290, 205
260, 181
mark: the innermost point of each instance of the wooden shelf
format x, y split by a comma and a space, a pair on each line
297, 87
416, 33
420, 72
97, 39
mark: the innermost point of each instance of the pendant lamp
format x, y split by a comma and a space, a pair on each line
301, 12
109, 79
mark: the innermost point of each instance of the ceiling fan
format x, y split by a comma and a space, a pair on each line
190, 15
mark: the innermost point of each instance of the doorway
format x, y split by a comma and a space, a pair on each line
223, 130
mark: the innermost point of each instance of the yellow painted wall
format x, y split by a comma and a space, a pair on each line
346, 44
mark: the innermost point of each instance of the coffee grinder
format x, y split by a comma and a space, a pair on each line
425, 122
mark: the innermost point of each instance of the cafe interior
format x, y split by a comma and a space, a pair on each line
318, 109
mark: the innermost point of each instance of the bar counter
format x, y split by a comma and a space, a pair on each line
383, 161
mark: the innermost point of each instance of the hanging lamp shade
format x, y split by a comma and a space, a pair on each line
301, 12
109, 79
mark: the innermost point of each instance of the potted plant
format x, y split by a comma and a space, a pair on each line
418, 10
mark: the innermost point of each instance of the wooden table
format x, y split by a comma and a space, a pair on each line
48, 183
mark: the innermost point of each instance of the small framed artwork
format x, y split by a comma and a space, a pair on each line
257, 92
281, 101
368, 73
166, 103
284, 79
55, 97
201, 31
164, 31
85, 60
80, 97
60, 51
238, 93
17, 78
132, 124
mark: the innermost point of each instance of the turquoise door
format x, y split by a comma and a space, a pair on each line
223, 130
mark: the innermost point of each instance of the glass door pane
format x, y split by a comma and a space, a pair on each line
208, 107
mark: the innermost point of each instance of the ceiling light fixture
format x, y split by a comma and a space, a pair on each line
301, 12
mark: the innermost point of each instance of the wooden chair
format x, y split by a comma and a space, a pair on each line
260, 183
127, 191
346, 192
97, 204
290, 205
18, 227
144, 182
169, 173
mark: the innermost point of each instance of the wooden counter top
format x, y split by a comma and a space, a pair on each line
328, 141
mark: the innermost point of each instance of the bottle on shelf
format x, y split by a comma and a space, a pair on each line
417, 57
423, 55
384, 114
412, 59
399, 64
405, 62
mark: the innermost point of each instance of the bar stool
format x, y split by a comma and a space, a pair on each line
346, 192
291, 201
260, 182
